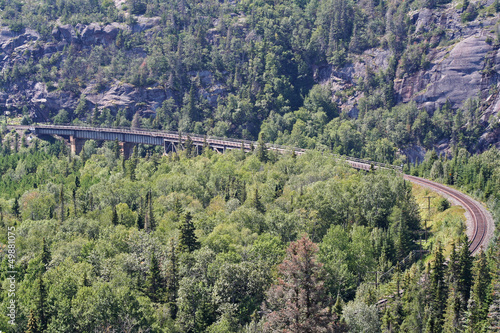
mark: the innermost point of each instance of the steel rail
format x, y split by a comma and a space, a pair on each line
480, 222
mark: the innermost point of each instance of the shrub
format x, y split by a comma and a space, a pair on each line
443, 205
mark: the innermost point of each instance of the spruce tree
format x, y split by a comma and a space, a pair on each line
438, 289
453, 313
494, 309
242, 151
114, 216
464, 282
299, 301
256, 203
188, 242
15, 207
480, 293
172, 280
149, 221
188, 146
140, 216
32, 323
116, 148
403, 243
41, 304
61, 204
45, 254
154, 281
206, 146
151, 217
261, 151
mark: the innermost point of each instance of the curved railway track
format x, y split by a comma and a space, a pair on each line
479, 220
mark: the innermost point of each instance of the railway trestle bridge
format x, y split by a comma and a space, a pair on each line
479, 220
128, 138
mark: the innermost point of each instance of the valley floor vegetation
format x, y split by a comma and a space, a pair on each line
240, 242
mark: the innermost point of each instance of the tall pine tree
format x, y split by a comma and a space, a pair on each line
154, 282
41, 304
188, 242
45, 254
261, 151
61, 204
438, 290
299, 301
32, 323
114, 216
479, 305
172, 280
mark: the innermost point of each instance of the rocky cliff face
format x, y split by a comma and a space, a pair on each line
461, 62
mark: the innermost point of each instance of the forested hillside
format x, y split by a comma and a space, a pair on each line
220, 243
248, 242
384, 80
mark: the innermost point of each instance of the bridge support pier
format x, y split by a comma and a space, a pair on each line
76, 145
126, 148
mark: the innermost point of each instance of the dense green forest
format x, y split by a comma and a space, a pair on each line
240, 68
222, 243
240, 242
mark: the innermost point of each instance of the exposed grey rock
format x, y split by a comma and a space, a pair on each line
65, 32
454, 75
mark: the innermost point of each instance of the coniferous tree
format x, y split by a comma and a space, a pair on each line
257, 203
494, 309
188, 147
140, 216
453, 313
465, 279
188, 242
32, 323
116, 148
149, 221
45, 254
15, 207
480, 294
114, 216
299, 301
74, 201
242, 150
154, 281
438, 290
403, 243
61, 204
172, 280
206, 146
41, 304
261, 151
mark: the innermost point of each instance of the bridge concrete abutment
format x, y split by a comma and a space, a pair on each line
76, 145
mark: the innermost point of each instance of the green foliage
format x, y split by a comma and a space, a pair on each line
188, 242
443, 205
207, 254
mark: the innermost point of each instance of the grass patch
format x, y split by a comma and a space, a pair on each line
444, 226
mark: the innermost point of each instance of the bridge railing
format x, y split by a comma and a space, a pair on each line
148, 131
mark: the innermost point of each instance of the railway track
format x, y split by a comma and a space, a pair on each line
479, 221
